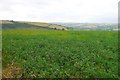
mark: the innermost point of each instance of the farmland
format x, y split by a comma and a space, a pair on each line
53, 53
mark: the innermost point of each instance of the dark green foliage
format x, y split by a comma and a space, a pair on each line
87, 54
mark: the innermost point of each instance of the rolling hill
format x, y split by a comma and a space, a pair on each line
10, 24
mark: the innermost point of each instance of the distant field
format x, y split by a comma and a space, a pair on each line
10, 24
51, 54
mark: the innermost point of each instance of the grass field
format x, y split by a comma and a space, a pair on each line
51, 54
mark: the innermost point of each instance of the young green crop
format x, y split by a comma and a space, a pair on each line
51, 54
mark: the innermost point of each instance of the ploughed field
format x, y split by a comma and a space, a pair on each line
53, 53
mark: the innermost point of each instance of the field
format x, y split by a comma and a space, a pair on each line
57, 53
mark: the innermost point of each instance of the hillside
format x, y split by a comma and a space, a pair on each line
10, 24
91, 26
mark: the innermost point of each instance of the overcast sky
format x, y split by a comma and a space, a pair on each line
95, 11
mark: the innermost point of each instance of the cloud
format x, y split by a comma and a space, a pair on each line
60, 10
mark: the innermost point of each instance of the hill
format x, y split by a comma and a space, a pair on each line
10, 24
91, 26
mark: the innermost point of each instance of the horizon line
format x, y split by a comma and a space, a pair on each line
62, 21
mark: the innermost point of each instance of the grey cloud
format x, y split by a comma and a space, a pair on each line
58, 10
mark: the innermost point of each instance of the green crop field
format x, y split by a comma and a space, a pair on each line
60, 54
